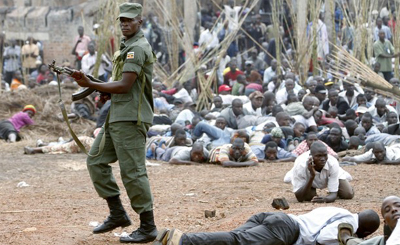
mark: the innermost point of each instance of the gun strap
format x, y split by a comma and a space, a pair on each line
143, 77
78, 142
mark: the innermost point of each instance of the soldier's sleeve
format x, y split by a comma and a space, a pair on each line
134, 61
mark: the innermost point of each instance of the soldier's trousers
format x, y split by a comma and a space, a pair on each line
125, 142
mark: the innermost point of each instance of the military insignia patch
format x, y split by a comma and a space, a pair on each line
130, 55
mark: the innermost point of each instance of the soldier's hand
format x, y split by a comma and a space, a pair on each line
81, 78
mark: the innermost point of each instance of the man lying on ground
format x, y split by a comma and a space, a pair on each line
390, 211
319, 226
237, 154
9, 129
379, 154
61, 147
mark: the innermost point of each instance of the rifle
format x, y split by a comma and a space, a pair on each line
76, 96
71, 72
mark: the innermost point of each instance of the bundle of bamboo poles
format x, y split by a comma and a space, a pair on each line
352, 70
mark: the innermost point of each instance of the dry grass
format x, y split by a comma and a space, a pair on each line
46, 101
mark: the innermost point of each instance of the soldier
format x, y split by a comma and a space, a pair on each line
130, 116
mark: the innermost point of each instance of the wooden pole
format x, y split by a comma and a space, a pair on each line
174, 54
276, 9
301, 35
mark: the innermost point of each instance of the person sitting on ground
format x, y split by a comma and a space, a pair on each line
355, 143
254, 106
42, 75
334, 139
377, 67
310, 105
305, 145
183, 155
233, 113
351, 115
17, 80
281, 95
391, 119
316, 169
320, 226
187, 114
350, 126
276, 135
269, 73
61, 147
237, 154
238, 88
367, 124
157, 146
9, 129
379, 154
380, 111
176, 109
217, 102
360, 133
335, 100
326, 118
232, 73
361, 101
272, 153
217, 135
293, 105
349, 94
298, 136
390, 212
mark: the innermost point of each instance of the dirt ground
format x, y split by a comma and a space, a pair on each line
60, 202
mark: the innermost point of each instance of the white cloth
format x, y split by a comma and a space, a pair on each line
208, 39
392, 153
184, 95
271, 87
306, 121
185, 115
394, 238
248, 110
89, 60
228, 98
223, 62
281, 95
380, 119
232, 16
268, 74
327, 178
321, 225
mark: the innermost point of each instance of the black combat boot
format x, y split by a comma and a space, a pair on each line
117, 217
147, 231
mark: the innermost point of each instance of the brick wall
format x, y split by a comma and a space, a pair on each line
55, 27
